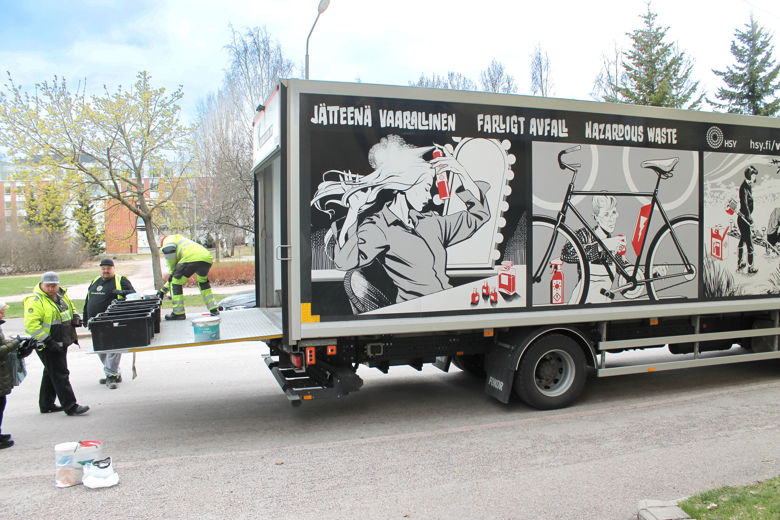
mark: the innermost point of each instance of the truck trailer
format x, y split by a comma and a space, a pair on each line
529, 241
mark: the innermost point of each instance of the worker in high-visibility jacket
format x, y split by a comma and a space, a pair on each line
185, 258
49, 317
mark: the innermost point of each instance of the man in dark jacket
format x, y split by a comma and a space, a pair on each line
6, 377
101, 292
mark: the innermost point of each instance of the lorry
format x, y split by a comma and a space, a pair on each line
529, 241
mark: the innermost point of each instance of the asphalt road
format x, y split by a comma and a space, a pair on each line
205, 432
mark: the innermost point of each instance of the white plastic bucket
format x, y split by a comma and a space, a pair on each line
206, 328
69, 459
149, 294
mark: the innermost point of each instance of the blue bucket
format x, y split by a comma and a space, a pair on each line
206, 329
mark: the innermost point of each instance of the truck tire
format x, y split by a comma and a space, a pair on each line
551, 372
473, 364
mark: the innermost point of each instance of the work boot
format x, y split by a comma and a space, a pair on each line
752, 269
6, 444
51, 409
102, 381
77, 409
175, 317
5, 437
112, 382
214, 312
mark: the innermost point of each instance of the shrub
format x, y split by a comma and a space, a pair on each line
228, 273
39, 251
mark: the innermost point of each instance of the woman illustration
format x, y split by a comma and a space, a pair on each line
409, 240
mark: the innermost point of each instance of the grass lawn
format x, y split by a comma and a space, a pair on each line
760, 501
23, 284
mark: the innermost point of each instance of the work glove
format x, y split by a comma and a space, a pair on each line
26, 347
161, 294
76, 321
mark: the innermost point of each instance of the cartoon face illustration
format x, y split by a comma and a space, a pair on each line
605, 212
420, 194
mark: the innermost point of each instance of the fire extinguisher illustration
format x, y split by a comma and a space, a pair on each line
556, 282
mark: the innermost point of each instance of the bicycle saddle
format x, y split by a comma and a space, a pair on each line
662, 167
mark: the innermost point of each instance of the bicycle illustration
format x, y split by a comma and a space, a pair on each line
667, 271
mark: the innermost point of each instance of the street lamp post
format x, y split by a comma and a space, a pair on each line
320, 9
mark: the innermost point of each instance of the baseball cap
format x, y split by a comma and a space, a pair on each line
107, 261
3, 305
50, 277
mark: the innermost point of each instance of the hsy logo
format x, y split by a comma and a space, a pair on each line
715, 139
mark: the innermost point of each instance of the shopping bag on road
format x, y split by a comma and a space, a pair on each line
18, 368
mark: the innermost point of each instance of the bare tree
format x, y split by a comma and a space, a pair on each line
495, 79
606, 87
453, 81
541, 83
223, 140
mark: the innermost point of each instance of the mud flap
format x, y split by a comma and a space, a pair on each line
500, 364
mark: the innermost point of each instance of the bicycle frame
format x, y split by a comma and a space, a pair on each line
632, 276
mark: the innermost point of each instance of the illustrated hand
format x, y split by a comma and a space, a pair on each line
613, 243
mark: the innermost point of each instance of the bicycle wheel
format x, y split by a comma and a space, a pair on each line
667, 275
566, 287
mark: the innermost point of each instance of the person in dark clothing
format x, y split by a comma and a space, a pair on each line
49, 317
101, 292
6, 377
745, 221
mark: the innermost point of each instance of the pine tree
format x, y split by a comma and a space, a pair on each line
46, 209
752, 82
84, 215
657, 73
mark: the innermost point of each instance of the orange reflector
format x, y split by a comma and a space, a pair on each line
653, 321
311, 356
651, 369
296, 360
459, 353
331, 350
487, 333
308, 397
704, 325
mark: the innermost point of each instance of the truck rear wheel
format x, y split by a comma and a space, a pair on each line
551, 372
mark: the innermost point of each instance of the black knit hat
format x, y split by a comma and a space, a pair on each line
106, 261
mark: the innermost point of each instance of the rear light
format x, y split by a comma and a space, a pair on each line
296, 360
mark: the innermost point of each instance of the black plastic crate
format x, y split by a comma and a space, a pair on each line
121, 331
137, 306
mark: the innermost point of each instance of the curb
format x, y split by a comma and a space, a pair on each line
661, 510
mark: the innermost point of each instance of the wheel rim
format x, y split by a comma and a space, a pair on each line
554, 373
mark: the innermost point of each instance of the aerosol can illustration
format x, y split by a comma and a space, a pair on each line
556, 282
441, 179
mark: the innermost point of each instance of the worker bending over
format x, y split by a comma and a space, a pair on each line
185, 258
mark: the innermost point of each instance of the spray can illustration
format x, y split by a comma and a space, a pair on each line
485, 290
556, 282
474, 296
441, 179
493, 295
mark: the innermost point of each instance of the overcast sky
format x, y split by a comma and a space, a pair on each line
388, 42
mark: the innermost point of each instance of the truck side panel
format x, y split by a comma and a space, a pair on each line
411, 210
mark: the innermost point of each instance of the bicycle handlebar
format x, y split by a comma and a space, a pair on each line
568, 166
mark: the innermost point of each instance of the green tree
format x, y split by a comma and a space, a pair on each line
46, 210
654, 71
752, 82
111, 143
86, 228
